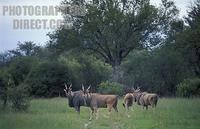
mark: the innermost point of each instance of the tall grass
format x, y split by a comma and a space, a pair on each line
55, 114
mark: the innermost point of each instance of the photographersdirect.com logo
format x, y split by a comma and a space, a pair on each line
27, 17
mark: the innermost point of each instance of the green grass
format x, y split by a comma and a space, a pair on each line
55, 114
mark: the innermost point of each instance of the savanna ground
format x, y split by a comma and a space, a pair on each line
56, 114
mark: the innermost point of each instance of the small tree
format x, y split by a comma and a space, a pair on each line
19, 97
27, 48
189, 88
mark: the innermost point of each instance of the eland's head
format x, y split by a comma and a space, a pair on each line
135, 93
86, 91
68, 90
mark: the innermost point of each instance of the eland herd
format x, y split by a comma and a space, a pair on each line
84, 97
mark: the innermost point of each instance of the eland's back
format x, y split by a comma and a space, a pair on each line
101, 101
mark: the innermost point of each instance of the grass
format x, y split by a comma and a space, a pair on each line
55, 114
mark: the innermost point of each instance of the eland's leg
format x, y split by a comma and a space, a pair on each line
115, 108
109, 107
126, 106
132, 108
127, 110
91, 113
96, 113
77, 108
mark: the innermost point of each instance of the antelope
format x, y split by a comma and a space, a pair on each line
96, 100
128, 100
145, 99
75, 99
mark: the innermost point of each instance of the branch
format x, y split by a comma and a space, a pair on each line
124, 53
105, 43
102, 54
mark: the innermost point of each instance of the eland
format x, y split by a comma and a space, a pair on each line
96, 100
75, 99
145, 99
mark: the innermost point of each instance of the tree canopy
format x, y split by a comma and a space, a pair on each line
112, 29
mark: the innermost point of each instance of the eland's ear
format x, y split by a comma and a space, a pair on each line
65, 85
89, 87
138, 89
133, 89
70, 87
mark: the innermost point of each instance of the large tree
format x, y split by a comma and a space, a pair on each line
188, 41
114, 28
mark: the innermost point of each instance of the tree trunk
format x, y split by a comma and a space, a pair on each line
116, 72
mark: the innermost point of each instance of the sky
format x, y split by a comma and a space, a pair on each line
10, 34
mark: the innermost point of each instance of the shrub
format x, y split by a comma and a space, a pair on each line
189, 88
20, 68
47, 79
3, 86
86, 69
19, 97
110, 88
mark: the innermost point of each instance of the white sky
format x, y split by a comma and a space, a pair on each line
10, 37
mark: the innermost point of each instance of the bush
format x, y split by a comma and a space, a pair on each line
86, 69
20, 67
189, 88
47, 79
12, 87
19, 97
110, 88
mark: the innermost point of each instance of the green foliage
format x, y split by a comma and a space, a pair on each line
112, 29
16, 95
4, 86
110, 88
27, 48
189, 88
5, 58
188, 41
86, 69
193, 18
12, 79
20, 67
19, 97
47, 79
156, 71
94, 70
137, 68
